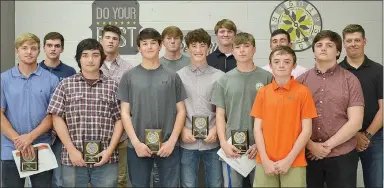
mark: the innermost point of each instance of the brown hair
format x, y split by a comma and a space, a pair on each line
148, 33
111, 28
352, 28
280, 50
89, 44
198, 35
172, 31
227, 24
281, 31
332, 36
54, 36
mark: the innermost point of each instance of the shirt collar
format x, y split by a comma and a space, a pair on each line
366, 63
330, 70
287, 86
43, 65
16, 72
118, 60
218, 52
204, 69
79, 77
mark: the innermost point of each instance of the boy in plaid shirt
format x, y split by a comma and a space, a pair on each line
85, 109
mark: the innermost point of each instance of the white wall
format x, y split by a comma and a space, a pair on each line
73, 18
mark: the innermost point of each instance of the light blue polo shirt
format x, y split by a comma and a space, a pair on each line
25, 101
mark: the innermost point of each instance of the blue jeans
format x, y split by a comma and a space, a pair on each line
57, 181
140, 169
11, 178
190, 160
372, 162
101, 176
155, 176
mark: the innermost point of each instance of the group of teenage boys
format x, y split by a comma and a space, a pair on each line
307, 128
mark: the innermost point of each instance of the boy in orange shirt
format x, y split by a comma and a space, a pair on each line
283, 112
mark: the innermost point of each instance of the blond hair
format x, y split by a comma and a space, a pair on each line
243, 38
26, 37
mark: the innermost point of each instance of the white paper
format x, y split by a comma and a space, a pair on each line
242, 165
47, 161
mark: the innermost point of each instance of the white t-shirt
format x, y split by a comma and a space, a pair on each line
108, 64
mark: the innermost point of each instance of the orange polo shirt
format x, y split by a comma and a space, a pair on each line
281, 110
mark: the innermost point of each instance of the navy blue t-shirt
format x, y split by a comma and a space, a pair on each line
61, 71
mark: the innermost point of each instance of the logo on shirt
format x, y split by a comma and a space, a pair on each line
259, 86
291, 97
123, 14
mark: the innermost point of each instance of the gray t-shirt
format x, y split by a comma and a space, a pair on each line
175, 65
152, 95
235, 92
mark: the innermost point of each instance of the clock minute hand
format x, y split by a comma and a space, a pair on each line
286, 11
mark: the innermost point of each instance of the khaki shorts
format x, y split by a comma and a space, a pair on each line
296, 177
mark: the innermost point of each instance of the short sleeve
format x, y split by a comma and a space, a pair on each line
300, 79
270, 78
73, 71
379, 81
57, 103
218, 98
124, 88
180, 90
356, 97
308, 108
257, 107
3, 99
54, 83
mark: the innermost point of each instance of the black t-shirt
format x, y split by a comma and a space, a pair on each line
370, 75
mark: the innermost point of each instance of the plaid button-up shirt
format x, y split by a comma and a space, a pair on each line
118, 67
90, 111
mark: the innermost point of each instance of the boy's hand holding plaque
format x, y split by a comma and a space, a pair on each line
153, 139
91, 149
30, 162
200, 127
240, 140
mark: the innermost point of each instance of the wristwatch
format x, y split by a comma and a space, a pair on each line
368, 135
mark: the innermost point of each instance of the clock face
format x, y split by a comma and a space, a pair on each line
300, 19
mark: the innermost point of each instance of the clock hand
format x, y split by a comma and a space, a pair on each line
286, 11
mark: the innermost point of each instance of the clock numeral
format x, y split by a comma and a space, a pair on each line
301, 3
310, 10
301, 45
290, 4
315, 31
274, 19
317, 18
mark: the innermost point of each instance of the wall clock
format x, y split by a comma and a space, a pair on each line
300, 19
